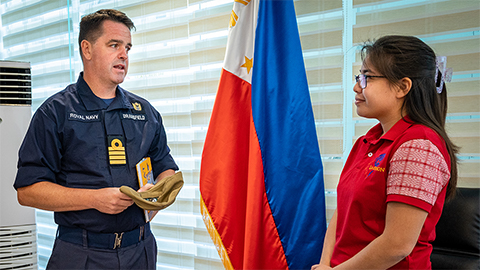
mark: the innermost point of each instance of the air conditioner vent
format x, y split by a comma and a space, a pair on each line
15, 83
18, 247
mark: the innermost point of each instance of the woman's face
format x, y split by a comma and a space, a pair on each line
379, 98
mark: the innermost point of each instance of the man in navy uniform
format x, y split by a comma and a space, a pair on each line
83, 143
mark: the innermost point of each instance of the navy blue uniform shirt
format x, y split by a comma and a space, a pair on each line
76, 140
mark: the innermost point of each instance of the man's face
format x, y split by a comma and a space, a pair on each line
109, 54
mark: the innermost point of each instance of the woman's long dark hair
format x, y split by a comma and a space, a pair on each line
397, 57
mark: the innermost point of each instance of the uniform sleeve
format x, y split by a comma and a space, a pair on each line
160, 152
418, 173
39, 156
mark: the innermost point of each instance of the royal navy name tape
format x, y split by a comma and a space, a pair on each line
85, 118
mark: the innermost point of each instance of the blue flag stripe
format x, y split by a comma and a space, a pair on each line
285, 126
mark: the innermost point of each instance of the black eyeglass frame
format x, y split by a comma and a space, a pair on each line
364, 81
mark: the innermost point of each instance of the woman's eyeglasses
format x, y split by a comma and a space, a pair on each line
363, 79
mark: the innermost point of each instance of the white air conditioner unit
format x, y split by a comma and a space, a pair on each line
18, 241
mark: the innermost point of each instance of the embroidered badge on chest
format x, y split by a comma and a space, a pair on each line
376, 165
116, 150
136, 114
137, 106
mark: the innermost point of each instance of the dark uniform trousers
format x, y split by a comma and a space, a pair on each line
67, 256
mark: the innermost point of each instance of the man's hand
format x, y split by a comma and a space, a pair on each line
53, 197
111, 201
148, 186
145, 188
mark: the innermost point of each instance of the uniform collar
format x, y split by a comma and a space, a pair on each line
94, 103
374, 135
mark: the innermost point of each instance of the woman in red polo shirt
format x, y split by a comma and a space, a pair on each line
398, 175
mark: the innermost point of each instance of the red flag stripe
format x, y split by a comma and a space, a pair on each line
236, 211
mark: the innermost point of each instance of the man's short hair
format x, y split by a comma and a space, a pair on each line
91, 25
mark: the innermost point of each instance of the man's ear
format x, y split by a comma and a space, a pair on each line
86, 49
404, 86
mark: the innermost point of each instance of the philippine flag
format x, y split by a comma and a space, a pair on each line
261, 177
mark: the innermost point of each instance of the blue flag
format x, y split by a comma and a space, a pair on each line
285, 125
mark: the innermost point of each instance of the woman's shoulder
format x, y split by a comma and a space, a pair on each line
419, 131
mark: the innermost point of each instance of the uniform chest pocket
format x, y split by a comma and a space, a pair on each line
134, 126
84, 154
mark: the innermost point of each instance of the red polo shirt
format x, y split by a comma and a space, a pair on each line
409, 164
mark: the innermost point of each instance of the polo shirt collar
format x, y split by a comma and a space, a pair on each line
94, 103
374, 135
